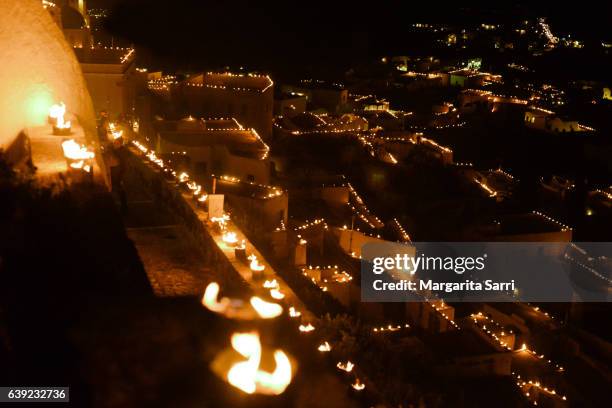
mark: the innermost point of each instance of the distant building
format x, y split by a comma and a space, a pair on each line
466, 78
246, 97
311, 123
289, 104
548, 121
71, 17
472, 99
107, 71
321, 94
111, 78
219, 147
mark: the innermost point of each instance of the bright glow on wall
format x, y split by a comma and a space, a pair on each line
38, 69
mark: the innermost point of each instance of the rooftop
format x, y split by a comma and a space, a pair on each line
191, 132
231, 81
104, 55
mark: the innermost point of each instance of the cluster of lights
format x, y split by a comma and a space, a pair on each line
163, 83
321, 131
495, 98
606, 193
435, 145
270, 191
440, 306
497, 336
589, 268
502, 172
552, 40
492, 193
519, 67
336, 277
348, 368
403, 234
183, 178
269, 82
390, 328
282, 226
363, 212
313, 223
262, 308
439, 127
554, 221
127, 55
585, 128
527, 386
524, 349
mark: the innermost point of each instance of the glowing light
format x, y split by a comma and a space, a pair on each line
271, 284
210, 299
266, 310
230, 238
324, 347
306, 328
358, 385
255, 265
348, 366
57, 112
277, 294
74, 151
247, 376
294, 313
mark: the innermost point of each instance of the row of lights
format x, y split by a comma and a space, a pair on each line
271, 191
527, 386
502, 332
560, 224
262, 308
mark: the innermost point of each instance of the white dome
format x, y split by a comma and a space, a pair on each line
38, 68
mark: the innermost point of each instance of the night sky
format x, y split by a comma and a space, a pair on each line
303, 36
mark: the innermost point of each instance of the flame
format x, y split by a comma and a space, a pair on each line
237, 309
115, 133
230, 238
209, 300
358, 385
81, 165
348, 367
255, 265
183, 177
293, 312
266, 310
277, 294
74, 151
306, 328
203, 198
273, 284
247, 376
57, 112
324, 347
